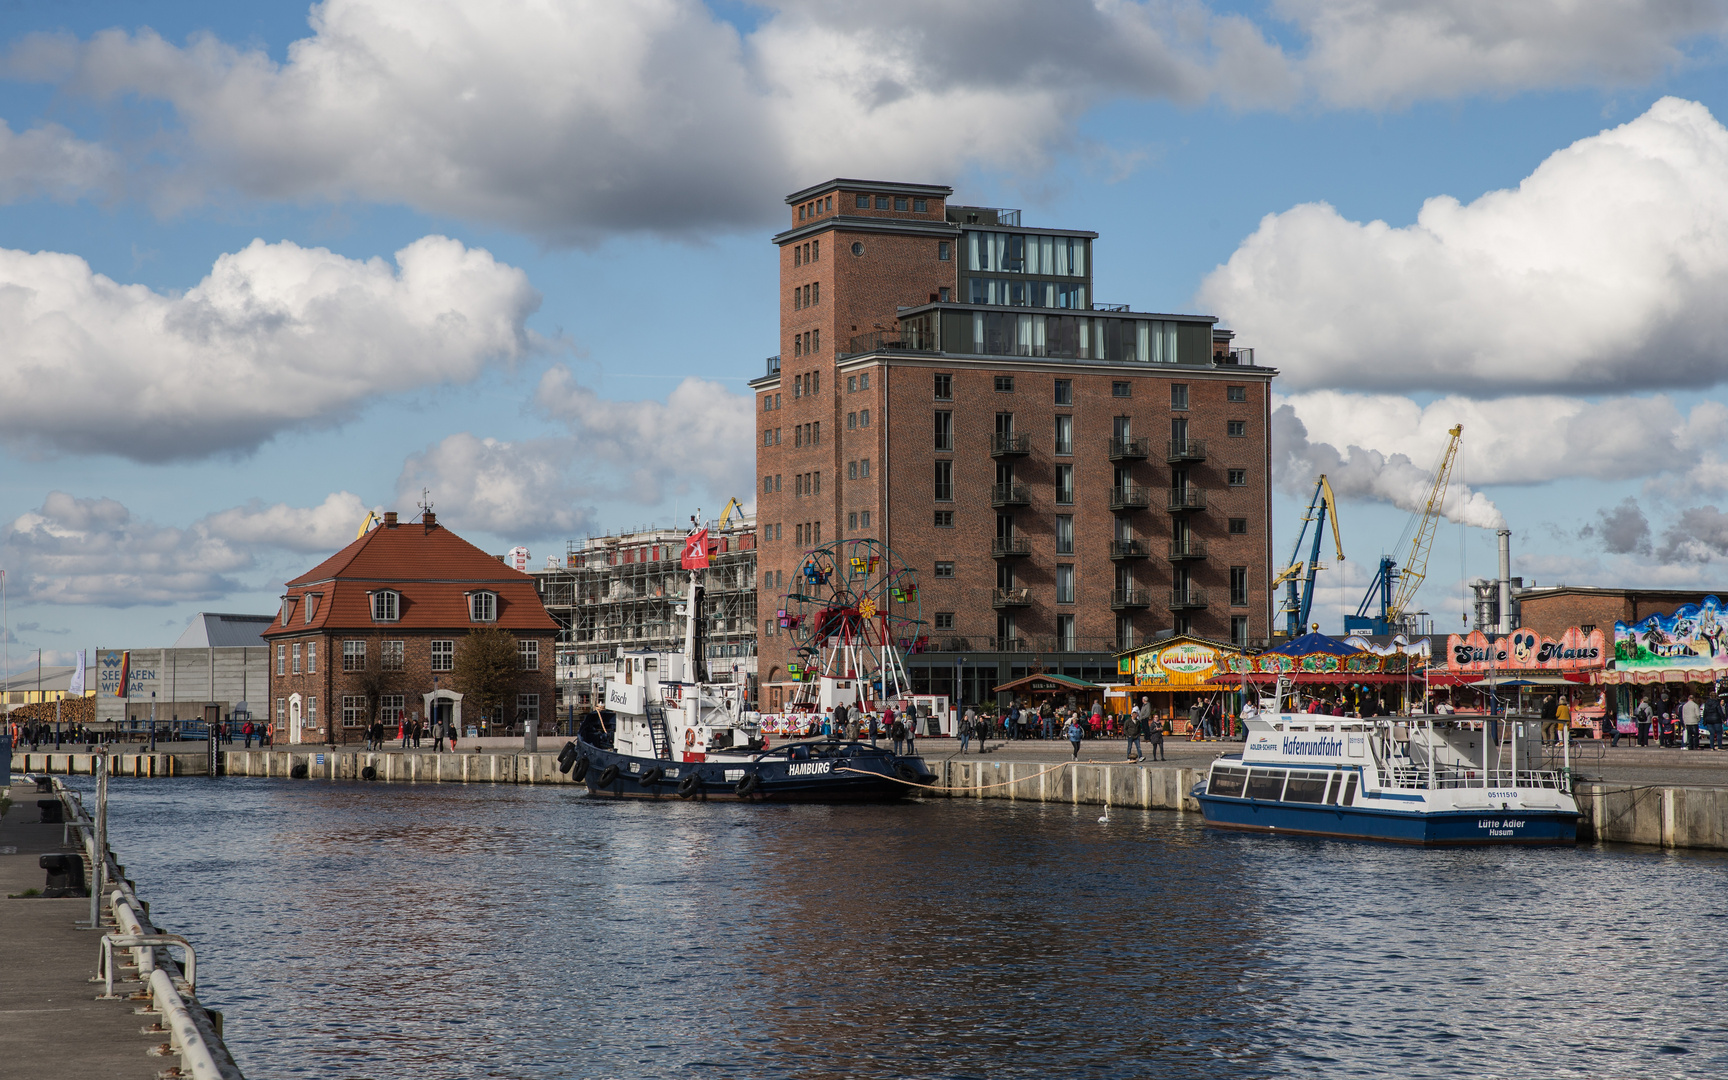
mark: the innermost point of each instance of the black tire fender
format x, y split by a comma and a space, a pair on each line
580, 771
652, 776
567, 757
905, 772
747, 785
690, 785
608, 776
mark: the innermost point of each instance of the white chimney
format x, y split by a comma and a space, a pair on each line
1506, 626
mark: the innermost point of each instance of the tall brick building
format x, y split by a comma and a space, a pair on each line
373, 631
1068, 478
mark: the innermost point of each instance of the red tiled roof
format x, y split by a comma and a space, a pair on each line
432, 568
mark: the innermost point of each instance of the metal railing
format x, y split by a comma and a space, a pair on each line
1187, 598
1130, 449
1187, 549
1010, 495
891, 341
1453, 776
1002, 598
1127, 549
1129, 598
1129, 497
1009, 644
1008, 444
1186, 498
1007, 547
1185, 450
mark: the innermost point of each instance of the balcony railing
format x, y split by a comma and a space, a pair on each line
1003, 598
1179, 450
1129, 598
774, 365
1010, 445
1182, 599
1127, 549
1010, 495
1187, 549
1129, 497
1010, 547
1009, 644
1186, 498
906, 339
1130, 449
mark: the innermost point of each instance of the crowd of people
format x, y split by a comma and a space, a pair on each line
1682, 720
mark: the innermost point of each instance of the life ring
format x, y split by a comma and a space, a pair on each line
690, 785
608, 776
747, 785
689, 737
579, 770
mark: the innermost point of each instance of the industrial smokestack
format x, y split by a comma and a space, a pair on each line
1505, 626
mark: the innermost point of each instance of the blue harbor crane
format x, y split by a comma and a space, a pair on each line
1396, 608
1297, 604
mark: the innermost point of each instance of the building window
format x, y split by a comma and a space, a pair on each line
1004, 384
311, 710
862, 202
1238, 477
529, 652
944, 519
443, 655
851, 470
1124, 632
1121, 388
1239, 631
296, 658
390, 656
281, 711
942, 250
920, 206
1064, 435
1064, 391
528, 708
1065, 640
857, 249
1064, 583
392, 708
900, 204
944, 481
1178, 395
944, 569
1238, 526
767, 485
863, 417
1238, 586
1064, 534
1237, 429
281, 659
852, 521
1065, 485
353, 710
944, 388
851, 420
1235, 393
311, 658
864, 381
944, 620
881, 202
863, 468
353, 656
483, 607
944, 431
851, 384
386, 606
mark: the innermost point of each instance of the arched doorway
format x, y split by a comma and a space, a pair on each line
443, 706
294, 718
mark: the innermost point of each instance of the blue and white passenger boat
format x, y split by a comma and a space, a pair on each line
1438, 780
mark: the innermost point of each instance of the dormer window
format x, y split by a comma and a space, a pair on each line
287, 609
386, 606
483, 606
312, 605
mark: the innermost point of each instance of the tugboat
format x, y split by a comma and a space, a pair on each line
1430, 780
667, 731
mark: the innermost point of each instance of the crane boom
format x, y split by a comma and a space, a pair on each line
1297, 605
1416, 566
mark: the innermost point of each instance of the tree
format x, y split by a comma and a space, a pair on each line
374, 682
486, 671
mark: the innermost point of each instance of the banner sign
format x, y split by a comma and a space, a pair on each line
1691, 639
1365, 663
1526, 650
1179, 663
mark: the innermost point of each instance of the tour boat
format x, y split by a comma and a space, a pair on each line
666, 731
1436, 780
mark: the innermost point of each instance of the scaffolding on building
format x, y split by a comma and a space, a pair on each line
625, 591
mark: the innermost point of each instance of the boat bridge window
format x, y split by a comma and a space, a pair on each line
1227, 781
1265, 783
1333, 787
1306, 787
1349, 798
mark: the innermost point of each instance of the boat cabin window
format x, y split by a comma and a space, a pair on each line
1333, 787
1277, 727
1306, 787
1265, 783
1349, 798
1325, 727
1298, 727
1226, 781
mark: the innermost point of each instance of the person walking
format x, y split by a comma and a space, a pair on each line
1690, 714
1714, 727
1550, 730
1154, 732
965, 730
1075, 733
1641, 716
246, 732
1131, 730
897, 732
911, 734
840, 719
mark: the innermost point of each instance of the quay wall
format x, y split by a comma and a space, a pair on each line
1659, 816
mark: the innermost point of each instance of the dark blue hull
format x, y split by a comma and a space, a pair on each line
795, 772
1444, 828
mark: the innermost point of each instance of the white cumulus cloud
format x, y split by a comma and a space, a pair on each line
51, 161
1602, 271
525, 490
320, 529
277, 337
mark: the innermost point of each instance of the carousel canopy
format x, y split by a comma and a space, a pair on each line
1309, 644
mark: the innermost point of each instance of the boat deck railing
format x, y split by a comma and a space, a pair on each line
1417, 778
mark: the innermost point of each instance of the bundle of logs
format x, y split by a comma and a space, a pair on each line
72, 710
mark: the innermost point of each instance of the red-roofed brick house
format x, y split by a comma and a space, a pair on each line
374, 630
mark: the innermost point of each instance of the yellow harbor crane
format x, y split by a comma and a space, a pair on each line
1395, 607
1299, 601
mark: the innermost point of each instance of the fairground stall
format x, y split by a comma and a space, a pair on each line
1177, 674
1351, 676
1517, 672
1664, 659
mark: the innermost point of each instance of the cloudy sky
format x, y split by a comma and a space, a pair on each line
266, 266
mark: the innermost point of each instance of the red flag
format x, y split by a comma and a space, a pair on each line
695, 551
125, 674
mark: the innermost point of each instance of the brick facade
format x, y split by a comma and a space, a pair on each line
1551, 612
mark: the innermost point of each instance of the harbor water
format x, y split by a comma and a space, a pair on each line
428, 931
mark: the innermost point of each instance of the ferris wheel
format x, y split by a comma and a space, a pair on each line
853, 608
